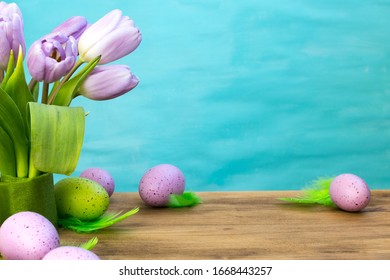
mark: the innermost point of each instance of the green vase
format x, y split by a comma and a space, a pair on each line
28, 194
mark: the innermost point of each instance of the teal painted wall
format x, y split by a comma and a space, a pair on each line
242, 95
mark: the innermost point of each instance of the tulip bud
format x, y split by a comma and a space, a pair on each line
112, 37
75, 26
11, 32
108, 82
51, 57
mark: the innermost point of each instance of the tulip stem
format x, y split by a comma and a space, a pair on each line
45, 92
1, 75
32, 87
32, 84
66, 78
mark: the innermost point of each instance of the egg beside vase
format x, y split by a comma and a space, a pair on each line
27, 235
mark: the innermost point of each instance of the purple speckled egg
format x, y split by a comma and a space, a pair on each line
102, 177
27, 236
159, 182
70, 253
349, 192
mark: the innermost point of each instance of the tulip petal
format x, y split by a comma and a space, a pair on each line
36, 62
117, 44
111, 37
11, 27
52, 57
108, 82
18, 36
55, 70
74, 26
98, 30
4, 50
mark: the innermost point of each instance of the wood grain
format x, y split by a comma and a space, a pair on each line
244, 225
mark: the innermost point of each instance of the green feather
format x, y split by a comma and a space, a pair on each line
106, 220
186, 199
90, 243
317, 192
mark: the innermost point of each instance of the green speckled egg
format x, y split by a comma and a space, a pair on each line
80, 198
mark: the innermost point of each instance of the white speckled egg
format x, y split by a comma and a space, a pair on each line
70, 253
159, 182
349, 192
102, 177
27, 236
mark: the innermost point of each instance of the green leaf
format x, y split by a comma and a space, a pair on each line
57, 135
17, 88
12, 123
7, 155
10, 69
106, 220
69, 89
187, 199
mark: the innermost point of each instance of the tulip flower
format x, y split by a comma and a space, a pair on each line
75, 26
11, 32
112, 37
52, 57
108, 82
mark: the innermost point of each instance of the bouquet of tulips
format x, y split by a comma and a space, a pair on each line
39, 131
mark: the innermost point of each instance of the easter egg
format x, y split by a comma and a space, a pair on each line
80, 198
27, 236
349, 192
159, 182
70, 253
100, 176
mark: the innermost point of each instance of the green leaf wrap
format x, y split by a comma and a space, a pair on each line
7, 154
57, 135
33, 194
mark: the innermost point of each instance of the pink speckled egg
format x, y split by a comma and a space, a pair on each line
159, 182
27, 236
70, 253
349, 192
102, 177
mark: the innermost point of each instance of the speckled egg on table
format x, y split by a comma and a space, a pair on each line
80, 198
101, 176
70, 253
27, 236
349, 192
159, 182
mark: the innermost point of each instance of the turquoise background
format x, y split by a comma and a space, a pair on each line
242, 95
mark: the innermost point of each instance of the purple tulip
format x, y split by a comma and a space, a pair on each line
108, 82
75, 26
11, 32
51, 57
112, 37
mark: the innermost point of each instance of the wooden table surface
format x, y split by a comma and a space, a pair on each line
243, 225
